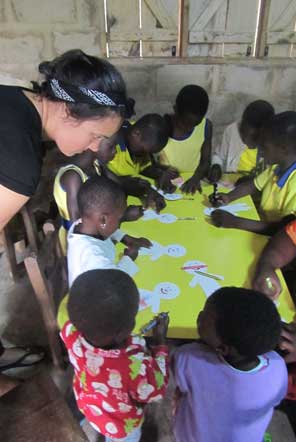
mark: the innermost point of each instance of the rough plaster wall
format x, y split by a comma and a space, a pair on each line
35, 30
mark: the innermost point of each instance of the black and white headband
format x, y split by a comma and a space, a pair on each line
79, 94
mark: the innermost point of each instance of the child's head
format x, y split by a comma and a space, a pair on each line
239, 322
102, 305
101, 203
192, 103
253, 119
105, 153
279, 137
148, 135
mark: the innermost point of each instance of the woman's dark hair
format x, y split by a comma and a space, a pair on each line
77, 69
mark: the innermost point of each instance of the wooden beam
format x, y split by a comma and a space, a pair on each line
281, 37
183, 28
261, 37
144, 34
220, 37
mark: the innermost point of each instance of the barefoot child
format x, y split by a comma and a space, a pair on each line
277, 183
231, 380
114, 375
189, 146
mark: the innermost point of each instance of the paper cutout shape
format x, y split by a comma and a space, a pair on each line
169, 196
157, 250
165, 218
164, 290
179, 181
231, 208
208, 285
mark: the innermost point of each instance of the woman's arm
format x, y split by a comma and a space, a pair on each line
11, 203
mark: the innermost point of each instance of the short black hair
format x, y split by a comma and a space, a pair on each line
83, 70
246, 320
281, 130
257, 113
192, 99
153, 129
99, 193
103, 303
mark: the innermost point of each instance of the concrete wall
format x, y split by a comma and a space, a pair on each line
35, 30
231, 85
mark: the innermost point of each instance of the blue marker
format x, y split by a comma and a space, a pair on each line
153, 322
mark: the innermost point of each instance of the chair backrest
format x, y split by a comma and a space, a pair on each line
48, 276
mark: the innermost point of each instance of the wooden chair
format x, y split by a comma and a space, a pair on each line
48, 276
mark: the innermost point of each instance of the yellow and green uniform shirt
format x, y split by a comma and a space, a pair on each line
248, 160
278, 192
184, 153
60, 196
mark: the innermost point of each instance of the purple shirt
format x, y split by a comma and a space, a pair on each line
222, 404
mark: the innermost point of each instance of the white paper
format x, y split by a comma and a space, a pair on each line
164, 218
169, 196
208, 285
163, 290
157, 250
231, 208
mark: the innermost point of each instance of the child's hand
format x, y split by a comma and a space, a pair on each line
155, 201
132, 252
137, 242
164, 183
133, 213
161, 329
288, 341
221, 218
267, 282
221, 199
191, 185
215, 173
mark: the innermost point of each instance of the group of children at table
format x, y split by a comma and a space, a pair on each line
229, 381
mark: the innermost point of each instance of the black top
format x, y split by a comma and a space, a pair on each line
21, 151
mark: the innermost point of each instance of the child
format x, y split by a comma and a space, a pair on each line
189, 145
134, 154
231, 380
70, 177
239, 149
114, 376
277, 183
101, 204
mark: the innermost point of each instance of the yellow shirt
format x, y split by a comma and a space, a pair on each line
123, 165
184, 154
63, 315
248, 160
278, 192
60, 196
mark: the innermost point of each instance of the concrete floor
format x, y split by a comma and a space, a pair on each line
21, 324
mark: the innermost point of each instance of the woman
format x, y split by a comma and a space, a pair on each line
81, 102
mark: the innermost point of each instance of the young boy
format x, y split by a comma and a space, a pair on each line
277, 183
101, 204
238, 151
114, 376
134, 155
189, 146
231, 380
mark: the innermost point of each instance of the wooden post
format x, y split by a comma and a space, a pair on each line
183, 28
261, 38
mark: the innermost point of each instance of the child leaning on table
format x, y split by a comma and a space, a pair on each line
70, 178
189, 146
114, 375
137, 144
277, 183
230, 381
239, 151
